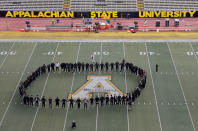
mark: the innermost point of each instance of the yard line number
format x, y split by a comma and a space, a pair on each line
99, 53
149, 53
50, 53
2, 53
190, 53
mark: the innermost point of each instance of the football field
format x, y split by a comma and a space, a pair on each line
168, 103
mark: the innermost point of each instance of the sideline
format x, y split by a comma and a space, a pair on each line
84, 41
101, 35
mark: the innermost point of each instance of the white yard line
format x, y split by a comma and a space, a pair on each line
101, 53
181, 87
98, 93
17, 85
194, 52
43, 89
126, 89
65, 122
7, 55
154, 89
97, 118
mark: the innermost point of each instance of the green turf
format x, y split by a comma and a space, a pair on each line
161, 102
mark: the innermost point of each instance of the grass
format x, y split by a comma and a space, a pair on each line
168, 103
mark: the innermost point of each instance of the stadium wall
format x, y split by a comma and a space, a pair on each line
77, 24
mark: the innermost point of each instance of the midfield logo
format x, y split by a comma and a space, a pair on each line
96, 84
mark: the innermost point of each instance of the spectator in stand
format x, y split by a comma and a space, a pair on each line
57, 21
53, 21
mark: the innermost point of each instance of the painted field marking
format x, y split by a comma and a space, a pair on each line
143, 53
2, 53
7, 55
126, 87
154, 89
17, 85
99, 53
196, 55
52, 53
98, 93
43, 91
191, 53
65, 122
181, 87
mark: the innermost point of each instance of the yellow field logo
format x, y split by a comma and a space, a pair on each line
96, 84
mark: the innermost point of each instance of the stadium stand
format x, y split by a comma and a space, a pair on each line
98, 5
103, 5
150, 5
66, 6
140, 5
32, 5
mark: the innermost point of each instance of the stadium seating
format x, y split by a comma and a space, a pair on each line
32, 5
98, 5
173, 5
103, 5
